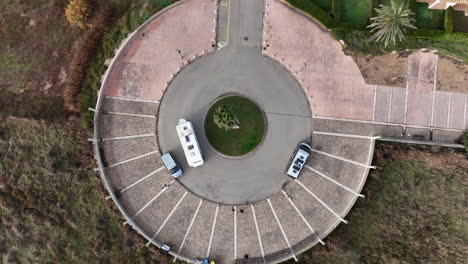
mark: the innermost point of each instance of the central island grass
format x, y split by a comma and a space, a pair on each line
236, 142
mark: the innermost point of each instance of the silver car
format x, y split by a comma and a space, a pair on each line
171, 165
300, 157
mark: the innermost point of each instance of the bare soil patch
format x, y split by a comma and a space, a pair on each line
452, 75
389, 70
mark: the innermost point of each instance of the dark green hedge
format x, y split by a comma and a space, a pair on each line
448, 22
412, 5
455, 44
439, 34
373, 4
336, 10
314, 11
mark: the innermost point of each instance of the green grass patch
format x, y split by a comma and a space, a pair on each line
236, 142
315, 11
455, 44
356, 11
50, 210
35, 37
336, 10
324, 4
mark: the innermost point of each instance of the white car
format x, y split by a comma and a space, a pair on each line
300, 157
171, 165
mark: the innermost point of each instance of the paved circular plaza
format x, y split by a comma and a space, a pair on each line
232, 210
246, 72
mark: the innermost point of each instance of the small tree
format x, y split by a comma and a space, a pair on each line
391, 23
78, 12
224, 117
448, 22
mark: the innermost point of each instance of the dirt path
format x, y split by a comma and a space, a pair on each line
452, 76
389, 70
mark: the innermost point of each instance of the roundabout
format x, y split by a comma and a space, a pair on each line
242, 70
239, 206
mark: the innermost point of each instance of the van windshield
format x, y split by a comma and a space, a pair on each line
174, 170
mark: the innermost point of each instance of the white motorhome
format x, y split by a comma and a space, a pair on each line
189, 143
300, 157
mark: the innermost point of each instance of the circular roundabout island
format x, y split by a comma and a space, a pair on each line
234, 125
208, 62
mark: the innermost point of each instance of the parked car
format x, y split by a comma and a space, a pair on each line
166, 247
301, 154
207, 261
171, 165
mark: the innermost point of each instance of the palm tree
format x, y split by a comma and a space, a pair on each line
391, 23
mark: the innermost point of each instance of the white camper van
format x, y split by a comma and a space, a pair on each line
189, 143
300, 157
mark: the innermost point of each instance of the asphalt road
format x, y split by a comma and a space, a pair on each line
237, 68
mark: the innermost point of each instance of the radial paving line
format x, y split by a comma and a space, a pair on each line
212, 231
375, 101
343, 159
344, 135
129, 137
370, 154
132, 159
281, 229
434, 90
407, 90
302, 217
258, 232
152, 200
129, 114
228, 22
464, 111
320, 201
169, 216
235, 232
448, 110
141, 179
131, 99
335, 182
390, 104
190, 226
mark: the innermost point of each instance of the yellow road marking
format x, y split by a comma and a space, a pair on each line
228, 22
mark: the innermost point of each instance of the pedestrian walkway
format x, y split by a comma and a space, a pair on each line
336, 88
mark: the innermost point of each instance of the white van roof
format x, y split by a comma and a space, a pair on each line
189, 143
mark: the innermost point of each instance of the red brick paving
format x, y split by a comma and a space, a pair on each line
457, 108
149, 60
335, 86
333, 81
441, 109
382, 103
422, 70
419, 107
